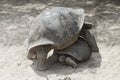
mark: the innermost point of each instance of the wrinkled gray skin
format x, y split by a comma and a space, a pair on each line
56, 28
90, 39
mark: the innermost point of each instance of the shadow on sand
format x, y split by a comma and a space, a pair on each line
57, 68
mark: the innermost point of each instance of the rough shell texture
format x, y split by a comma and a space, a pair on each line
58, 27
79, 50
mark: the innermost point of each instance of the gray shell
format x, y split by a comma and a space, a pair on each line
58, 27
79, 50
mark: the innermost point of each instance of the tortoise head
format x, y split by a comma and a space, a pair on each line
43, 49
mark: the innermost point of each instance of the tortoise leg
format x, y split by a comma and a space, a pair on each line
71, 62
42, 62
67, 60
87, 25
90, 40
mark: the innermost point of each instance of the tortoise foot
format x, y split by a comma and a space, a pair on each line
71, 62
42, 66
42, 63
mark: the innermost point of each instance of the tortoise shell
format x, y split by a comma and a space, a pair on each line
79, 50
58, 27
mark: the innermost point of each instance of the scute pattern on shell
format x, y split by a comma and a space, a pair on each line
59, 27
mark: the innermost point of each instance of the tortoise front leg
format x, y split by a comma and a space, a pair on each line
67, 60
42, 62
71, 62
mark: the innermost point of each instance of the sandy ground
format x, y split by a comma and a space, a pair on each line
15, 19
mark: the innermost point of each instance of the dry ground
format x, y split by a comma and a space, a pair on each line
16, 17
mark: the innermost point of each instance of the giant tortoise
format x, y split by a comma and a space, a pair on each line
77, 52
55, 28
